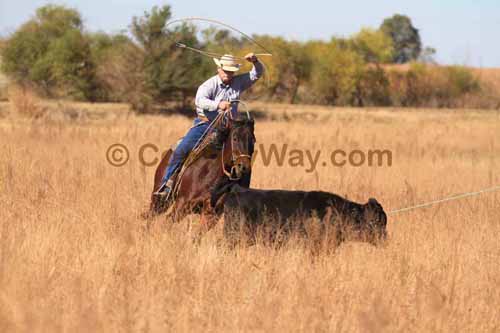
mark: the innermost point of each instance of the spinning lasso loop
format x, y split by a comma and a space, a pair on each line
218, 55
268, 53
213, 54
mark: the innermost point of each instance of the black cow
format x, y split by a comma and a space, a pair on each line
279, 212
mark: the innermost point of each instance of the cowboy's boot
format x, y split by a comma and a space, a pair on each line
161, 197
164, 190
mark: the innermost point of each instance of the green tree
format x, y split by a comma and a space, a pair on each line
101, 44
405, 38
121, 72
287, 70
373, 88
71, 67
169, 71
373, 45
113, 73
22, 50
336, 73
51, 51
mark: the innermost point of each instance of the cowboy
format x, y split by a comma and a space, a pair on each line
213, 96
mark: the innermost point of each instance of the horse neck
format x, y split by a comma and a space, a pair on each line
223, 158
226, 153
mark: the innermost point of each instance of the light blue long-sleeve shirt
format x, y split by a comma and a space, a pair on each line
213, 91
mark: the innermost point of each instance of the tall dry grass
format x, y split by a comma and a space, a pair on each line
75, 254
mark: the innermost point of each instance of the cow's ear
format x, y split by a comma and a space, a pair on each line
374, 204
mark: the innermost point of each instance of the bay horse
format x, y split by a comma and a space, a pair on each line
224, 154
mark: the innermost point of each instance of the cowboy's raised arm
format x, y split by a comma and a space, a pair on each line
248, 79
257, 69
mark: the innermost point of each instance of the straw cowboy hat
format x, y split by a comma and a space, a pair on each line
228, 63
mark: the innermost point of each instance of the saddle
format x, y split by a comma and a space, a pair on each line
208, 146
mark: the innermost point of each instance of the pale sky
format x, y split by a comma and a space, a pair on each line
463, 32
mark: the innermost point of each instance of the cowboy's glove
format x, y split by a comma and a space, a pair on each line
224, 105
251, 57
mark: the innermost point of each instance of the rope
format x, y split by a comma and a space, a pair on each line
201, 144
267, 77
454, 197
220, 23
215, 55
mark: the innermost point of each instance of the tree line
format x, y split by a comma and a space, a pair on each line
54, 54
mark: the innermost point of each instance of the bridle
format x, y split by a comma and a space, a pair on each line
235, 158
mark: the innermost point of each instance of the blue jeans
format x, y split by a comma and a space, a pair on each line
185, 146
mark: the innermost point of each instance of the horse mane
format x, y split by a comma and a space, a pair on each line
241, 122
222, 133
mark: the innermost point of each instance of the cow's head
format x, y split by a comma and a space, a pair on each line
374, 221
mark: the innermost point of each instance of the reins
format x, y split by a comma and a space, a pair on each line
234, 159
199, 146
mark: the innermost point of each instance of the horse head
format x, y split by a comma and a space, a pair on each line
238, 147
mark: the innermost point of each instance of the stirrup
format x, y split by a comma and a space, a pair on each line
161, 200
164, 190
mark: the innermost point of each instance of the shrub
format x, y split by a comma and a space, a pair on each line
373, 45
432, 86
373, 88
51, 52
121, 73
336, 72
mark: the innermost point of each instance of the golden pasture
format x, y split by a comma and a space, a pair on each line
75, 254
